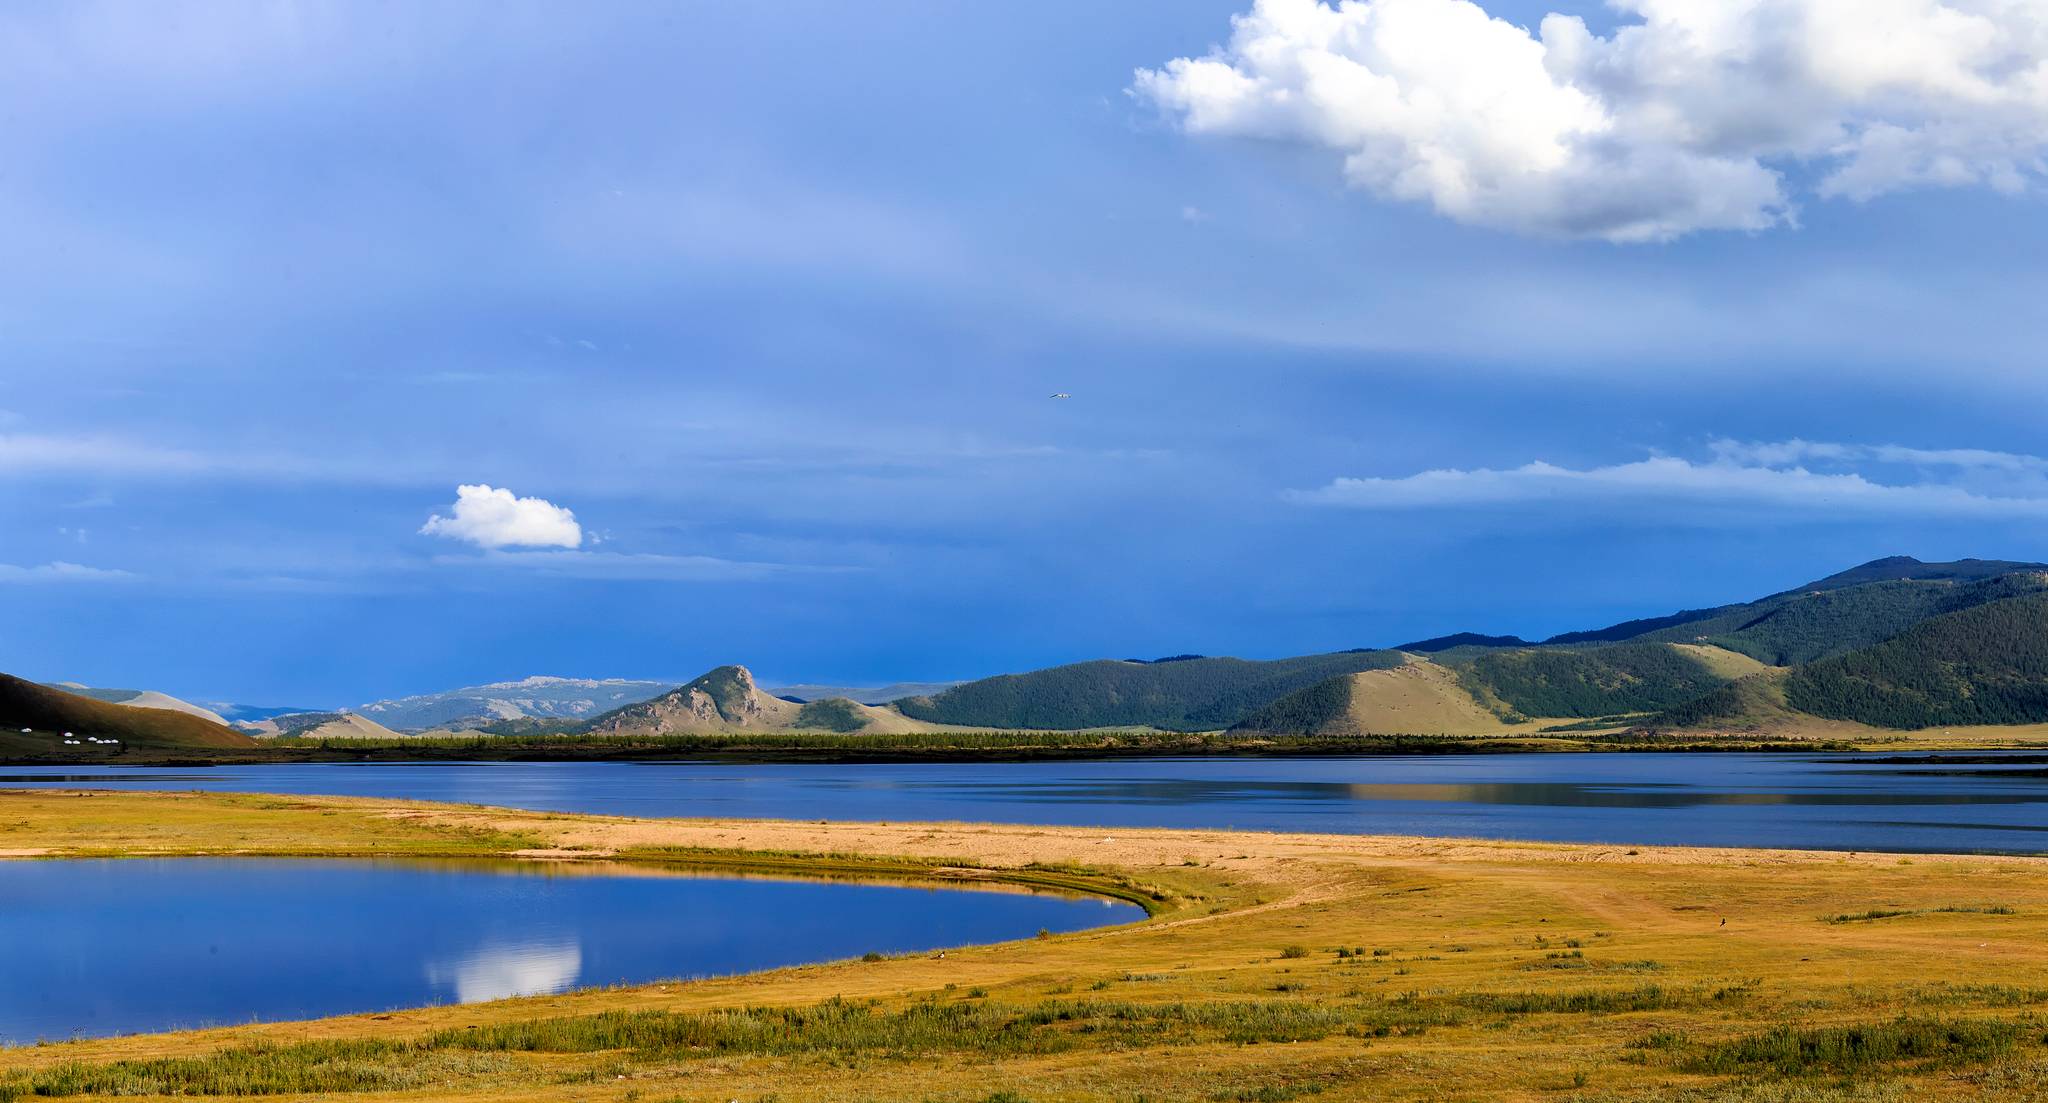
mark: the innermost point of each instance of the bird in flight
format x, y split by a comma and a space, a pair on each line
1061, 394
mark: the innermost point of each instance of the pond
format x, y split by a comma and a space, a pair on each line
98, 947
1989, 802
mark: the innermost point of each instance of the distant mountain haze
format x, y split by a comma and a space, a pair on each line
540, 697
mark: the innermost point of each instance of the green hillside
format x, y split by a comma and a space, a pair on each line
1587, 682
1983, 665
1317, 710
1870, 602
832, 714
1183, 695
50, 712
1757, 701
1834, 622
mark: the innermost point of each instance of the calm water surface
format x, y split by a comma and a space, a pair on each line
109, 947
1848, 802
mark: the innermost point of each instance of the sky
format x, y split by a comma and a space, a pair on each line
350, 351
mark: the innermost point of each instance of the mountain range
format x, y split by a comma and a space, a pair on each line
1895, 643
537, 698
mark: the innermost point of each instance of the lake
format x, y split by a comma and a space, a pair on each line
97, 947
1990, 802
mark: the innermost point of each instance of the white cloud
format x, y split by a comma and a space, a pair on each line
490, 517
1795, 450
61, 571
1685, 119
1753, 476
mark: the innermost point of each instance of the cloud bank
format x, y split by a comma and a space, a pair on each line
1688, 119
491, 517
61, 571
1750, 476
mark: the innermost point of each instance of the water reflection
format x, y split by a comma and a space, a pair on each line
502, 970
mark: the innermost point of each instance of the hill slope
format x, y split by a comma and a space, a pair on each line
1983, 665
1752, 704
1588, 682
24, 704
141, 699
1183, 695
1417, 698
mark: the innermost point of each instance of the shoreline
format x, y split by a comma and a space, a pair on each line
695, 749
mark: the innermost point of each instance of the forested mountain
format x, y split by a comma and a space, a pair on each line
1195, 694
1984, 665
1893, 643
1859, 608
1897, 568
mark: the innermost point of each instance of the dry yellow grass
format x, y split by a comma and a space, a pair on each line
1456, 956
1421, 698
1723, 662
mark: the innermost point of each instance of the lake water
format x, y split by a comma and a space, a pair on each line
109, 947
1848, 802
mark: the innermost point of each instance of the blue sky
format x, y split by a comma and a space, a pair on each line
771, 298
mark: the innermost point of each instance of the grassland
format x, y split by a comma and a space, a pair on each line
1274, 967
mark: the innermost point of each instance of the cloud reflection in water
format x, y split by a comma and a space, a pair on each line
510, 969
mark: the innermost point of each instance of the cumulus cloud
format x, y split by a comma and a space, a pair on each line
61, 571
1692, 116
491, 517
1763, 476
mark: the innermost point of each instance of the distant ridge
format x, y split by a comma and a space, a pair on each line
866, 695
319, 725
1902, 568
1462, 639
541, 697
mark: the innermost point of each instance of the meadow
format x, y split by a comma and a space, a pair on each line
1273, 967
